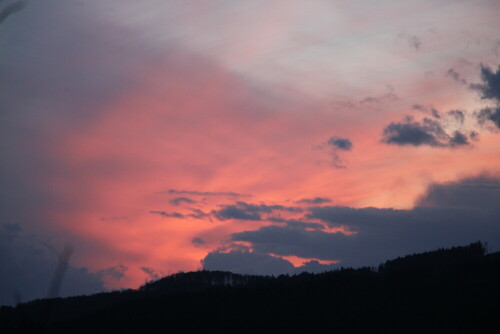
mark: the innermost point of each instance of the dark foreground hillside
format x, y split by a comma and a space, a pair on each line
445, 291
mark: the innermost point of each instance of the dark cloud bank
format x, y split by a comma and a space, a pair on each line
446, 215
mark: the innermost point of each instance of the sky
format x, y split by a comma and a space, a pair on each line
143, 138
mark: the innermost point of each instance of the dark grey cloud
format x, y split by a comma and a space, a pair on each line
297, 241
380, 234
489, 114
11, 9
476, 192
490, 90
28, 263
339, 143
490, 86
180, 200
198, 241
333, 146
315, 200
237, 212
446, 215
427, 132
206, 193
168, 214
247, 211
297, 223
459, 139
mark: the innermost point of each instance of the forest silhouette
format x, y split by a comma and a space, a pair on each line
453, 290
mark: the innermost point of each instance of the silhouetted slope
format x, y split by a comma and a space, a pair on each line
445, 291
201, 280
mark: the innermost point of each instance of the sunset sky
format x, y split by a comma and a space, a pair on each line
260, 137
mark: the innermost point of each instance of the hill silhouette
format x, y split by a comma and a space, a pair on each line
453, 290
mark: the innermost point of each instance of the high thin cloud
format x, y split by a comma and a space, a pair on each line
448, 214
